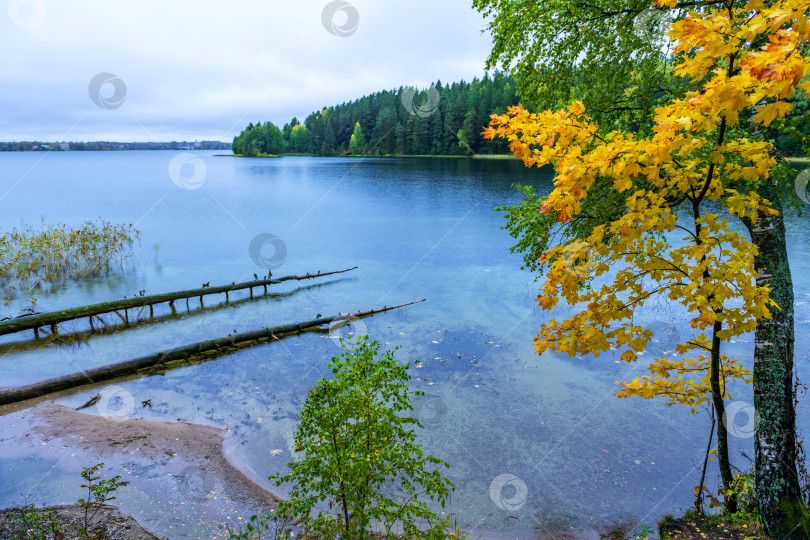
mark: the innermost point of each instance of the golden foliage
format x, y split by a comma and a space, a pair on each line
689, 158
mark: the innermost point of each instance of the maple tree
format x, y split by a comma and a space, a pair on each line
613, 55
695, 157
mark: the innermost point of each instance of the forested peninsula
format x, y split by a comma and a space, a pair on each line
438, 120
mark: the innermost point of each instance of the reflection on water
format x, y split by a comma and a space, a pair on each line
537, 445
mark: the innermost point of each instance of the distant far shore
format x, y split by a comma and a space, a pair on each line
39, 146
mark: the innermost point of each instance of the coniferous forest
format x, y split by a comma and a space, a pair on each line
440, 120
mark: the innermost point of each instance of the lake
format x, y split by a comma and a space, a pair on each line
574, 455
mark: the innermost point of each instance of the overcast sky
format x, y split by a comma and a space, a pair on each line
188, 70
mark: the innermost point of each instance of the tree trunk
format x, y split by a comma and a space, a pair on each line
718, 401
777, 484
699, 494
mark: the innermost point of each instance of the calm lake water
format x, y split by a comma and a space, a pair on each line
576, 456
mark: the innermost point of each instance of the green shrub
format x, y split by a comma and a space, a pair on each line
359, 455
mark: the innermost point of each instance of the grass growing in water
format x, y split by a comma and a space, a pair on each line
41, 258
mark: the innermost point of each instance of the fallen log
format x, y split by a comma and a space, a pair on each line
95, 375
102, 327
55, 317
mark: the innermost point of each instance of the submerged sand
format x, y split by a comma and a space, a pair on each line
181, 484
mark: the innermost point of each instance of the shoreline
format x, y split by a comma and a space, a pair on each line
186, 480
108, 520
442, 156
182, 484
244, 156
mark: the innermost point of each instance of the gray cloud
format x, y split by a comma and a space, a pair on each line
203, 70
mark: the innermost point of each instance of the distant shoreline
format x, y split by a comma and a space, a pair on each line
109, 146
792, 160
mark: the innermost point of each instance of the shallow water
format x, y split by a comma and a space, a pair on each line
416, 229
